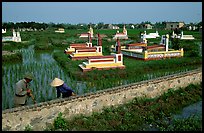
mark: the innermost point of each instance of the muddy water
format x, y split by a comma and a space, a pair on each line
44, 69
194, 109
188, 111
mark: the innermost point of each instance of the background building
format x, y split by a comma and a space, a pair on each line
174, 25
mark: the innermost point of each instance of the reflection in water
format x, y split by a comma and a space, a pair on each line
44, 69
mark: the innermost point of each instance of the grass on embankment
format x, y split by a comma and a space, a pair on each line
139, 114
10, 46
11, 50
14, 57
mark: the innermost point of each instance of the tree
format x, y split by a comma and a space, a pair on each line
100, 25
9, 25
199, 24
160, 25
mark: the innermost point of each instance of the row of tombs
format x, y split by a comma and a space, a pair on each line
94, 58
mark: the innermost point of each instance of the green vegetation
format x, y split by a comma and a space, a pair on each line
193, 123
190, 47
60, 122
136, 70
84, 26
140, 114
10, 46
16, 57
28, 128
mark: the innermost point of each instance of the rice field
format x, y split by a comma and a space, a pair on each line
44, 69
46, 65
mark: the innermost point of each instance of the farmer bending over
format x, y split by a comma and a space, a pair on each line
22, 91
62, 88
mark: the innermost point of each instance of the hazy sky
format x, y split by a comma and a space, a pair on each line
106, 12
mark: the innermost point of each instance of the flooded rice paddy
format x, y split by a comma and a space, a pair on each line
44, 69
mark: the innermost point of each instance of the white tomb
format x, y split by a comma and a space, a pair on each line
186, 37
182, 36
121, 35
151, 35
85, 35
60, 30
3, 31
15, 38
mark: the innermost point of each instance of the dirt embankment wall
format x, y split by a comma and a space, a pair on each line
43, 114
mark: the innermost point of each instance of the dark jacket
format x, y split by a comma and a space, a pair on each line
65, 90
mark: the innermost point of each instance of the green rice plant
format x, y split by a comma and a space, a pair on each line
135, 70
42, 98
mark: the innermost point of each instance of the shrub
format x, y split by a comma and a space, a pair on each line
60, 122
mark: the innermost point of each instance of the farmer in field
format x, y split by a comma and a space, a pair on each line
62, 88
22, 91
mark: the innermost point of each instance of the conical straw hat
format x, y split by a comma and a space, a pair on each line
56, 82
28, 76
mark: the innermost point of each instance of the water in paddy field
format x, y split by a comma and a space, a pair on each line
201, 49
188, 111
44, 69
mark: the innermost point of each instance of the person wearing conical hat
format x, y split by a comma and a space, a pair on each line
22, 91
62, 88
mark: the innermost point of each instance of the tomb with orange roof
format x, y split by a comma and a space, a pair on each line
81, 53
143, 52
104, 62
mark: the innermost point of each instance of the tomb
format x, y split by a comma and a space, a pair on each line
186, 37
121, 35
85, 35
156, 34
82, 53
143, 52
135, 46
15, 38
74, 46
182, 36
175, 35
150, 35
3, 31
104, 62
132, 47
60, 30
